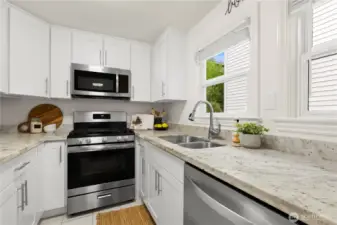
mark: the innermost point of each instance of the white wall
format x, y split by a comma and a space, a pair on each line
15, 110
271, 53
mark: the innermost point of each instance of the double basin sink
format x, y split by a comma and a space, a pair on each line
190, 141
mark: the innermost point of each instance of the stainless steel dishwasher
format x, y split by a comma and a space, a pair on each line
208, 201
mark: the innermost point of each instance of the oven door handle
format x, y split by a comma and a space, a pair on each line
103, 147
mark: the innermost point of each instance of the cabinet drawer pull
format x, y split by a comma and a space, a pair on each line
21, 167
104, 196
60, 154
26, 192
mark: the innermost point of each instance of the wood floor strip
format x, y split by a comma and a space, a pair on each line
137, 215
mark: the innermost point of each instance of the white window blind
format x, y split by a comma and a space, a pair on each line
237, 67
323, 73
324, 21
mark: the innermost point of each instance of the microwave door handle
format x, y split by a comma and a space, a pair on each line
117, 83
218, 207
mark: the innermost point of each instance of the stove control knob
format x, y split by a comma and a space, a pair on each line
87, 141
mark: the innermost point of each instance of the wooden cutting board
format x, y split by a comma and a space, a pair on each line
47, 113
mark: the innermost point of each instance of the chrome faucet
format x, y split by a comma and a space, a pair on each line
212, 131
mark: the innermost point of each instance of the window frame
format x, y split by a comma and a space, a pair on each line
306, 54
222, 79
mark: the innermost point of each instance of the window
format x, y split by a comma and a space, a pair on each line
323, 68
318, 73
225, 75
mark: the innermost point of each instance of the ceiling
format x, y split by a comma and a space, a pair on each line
136, 19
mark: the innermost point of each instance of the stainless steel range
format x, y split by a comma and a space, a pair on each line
101, 161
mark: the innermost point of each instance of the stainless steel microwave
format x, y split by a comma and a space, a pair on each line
100, 82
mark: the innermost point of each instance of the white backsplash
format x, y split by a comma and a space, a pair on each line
15, 109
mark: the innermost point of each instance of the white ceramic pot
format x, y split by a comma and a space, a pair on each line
250, 140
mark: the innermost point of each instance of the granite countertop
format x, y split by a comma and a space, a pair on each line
290, 183
14, 144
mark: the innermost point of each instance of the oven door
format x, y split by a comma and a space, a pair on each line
94, 168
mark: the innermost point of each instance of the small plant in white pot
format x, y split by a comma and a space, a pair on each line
250, 134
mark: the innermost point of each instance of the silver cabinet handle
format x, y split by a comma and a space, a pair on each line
162, 88
26, 192
100, 57
156, 181
46, 86
143, 165
104, 196
22, 206
21, 167
218, 207
67, 87
106, 57
133, 92
160, 189
60, 154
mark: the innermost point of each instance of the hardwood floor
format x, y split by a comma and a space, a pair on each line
137, 215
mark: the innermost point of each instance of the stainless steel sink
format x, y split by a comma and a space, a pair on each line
200, 145
182, 139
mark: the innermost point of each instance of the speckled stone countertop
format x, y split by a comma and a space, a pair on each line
290, 183
14, 144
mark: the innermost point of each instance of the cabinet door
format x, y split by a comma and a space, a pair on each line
53, 173
87, 48
30, 198
9, 206
60, 62
172, 199
28, 54
153, 197
158, 75
143, 181
140, 70
117, 53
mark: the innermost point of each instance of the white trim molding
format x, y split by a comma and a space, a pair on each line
324, 128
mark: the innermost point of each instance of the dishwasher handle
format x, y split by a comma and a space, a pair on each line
218, 207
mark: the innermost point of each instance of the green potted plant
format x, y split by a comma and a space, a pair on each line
250, 134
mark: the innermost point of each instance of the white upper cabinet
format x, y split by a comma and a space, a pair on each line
168, 67
117, 53
60, 53
141, 72
87, 48
28, 54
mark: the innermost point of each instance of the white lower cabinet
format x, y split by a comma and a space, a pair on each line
31, 184
8, 205
19, 199
52, 157
162, 188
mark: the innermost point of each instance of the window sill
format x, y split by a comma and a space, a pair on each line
318, 127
